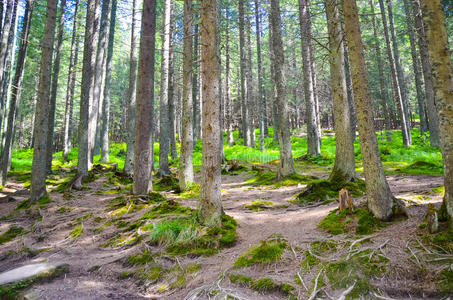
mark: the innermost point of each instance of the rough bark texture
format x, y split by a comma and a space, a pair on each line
395, 80
171, 92
313, 138
86, 97
195, 88
71, 83
261, 99
273, 87
185, 162
16, 93
433, 122
38, 170
344, 168
210, 203
244, 86
286, 166
228, 102
132, 95
439, 56
164, 132
108, 76
145, 98
5, 36
380, 199
251, 100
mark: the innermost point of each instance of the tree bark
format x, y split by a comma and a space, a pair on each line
228, 102
344, 168
5, 37
132, 95
313, 137
145, 97
261, 99
38, 170
171, 92
251, 100
433, 122
273, 87
86, 97
195, 88
164, 134
286, 166
379, 196
244, 81
440, 59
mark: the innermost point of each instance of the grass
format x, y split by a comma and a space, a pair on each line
268, 251
10, 234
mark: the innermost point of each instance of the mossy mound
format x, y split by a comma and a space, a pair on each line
422, 168
165, 208
166, 183
10, 234
269, 178
259, 205
233, 167
192, 192
319, 160
118, 178
359, 221
26, 204
326, 191
263, 285
268, 251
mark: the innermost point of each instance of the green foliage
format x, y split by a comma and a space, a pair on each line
422, 168
360, 220
141, 259
192, 192
269, 178
268, 251
10, 234
166, 183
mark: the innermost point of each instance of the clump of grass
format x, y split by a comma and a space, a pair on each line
10, 234
259, 205
327, 190
361, 221
141, 259
268, 251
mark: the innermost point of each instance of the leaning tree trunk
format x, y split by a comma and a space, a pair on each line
71, 84
108, 76
313, 138
380, 198
261, 99
54, 86
417, 71
344, 168
164, 134
210, 203
286, 166
433, 122
395, 80
38, 169
185, 162
228, 102
131, 104
86, 97
439, 57
244, 87
382, 82
16, 92
145, 97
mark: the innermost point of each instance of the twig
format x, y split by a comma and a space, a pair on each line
294, 252
346, 292
421, 245
315, 290
416, 258
302, 281
382, 297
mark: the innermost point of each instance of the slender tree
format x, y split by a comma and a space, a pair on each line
286, 166
228, 102
195, 88
440, 59
145, 98
5, 37
244, 86
210, 203
132, 105
185, 164
261, 99
250, 87
38, 170
171, 91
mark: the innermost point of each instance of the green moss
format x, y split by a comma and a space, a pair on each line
445, 281
443, 239
319, 160
118, 179
309, 262
267, 251
321, 247
168, 207
192, 192
62, 210
259, 205
263, 285
10, 234
83, 218
26, 204
360, 220
262, 178
98, 230
77, 232
422, 168
141, 259
327, 190
242, 279
366, 222
166, 183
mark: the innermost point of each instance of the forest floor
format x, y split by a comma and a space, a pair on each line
396, 261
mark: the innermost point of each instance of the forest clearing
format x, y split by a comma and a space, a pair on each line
226, 149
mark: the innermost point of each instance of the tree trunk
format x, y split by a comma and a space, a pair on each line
251, 100
16, 92
347, 71
395, 79
273, 87
171, 93
164, 134
131, 104
439, 57
313, 138
244, 81
38, 170
71, 83
380, 198
186, 164
108, 75
145, 97
344, 168
228, 102
195, 88
261, 99
382, 85
210, 203
5, 37
286, 166
433, 123
86, 97
54, 86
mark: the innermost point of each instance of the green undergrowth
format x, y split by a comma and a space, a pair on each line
319, 160
269, 178
166, 183
360, 221
122, 205
192, 192
259, 205
167, 208
422, 168
326, 191
264, 285
267, 252
10, 234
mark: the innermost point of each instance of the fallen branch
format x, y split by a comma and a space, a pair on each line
315, 290
413, 254
302, 281
347, 291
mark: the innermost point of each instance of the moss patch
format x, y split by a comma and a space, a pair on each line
319, 160
10, 234
360, 221
262, 178
192, 192
422, 168
77, 231
168, 207
263, 285
268, 251
259, 205
166, 183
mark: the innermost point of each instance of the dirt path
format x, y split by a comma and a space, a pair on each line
95, 271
